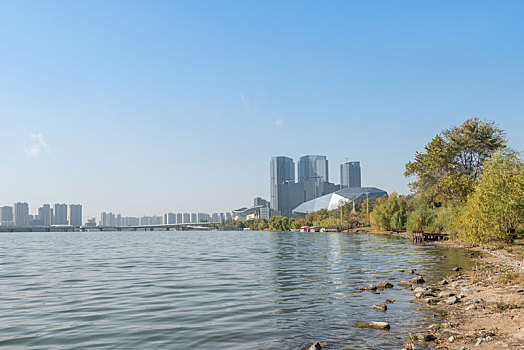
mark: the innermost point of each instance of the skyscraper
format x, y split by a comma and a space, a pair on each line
45, 215
313, 167
350, 175
107, 219
75, 215
169, 219
21, 214
282, 171
6, 215
60, 211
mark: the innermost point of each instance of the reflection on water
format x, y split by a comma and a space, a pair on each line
235, 290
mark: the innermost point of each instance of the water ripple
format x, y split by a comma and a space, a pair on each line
207, 290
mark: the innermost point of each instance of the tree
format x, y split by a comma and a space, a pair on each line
279, 223
496, 208
389, 212
298, 224
453, 161
262, 225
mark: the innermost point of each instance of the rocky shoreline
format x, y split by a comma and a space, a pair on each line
482, 308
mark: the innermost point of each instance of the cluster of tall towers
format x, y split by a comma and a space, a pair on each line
312, 180
18, 215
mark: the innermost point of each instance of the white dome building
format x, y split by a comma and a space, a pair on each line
334, 200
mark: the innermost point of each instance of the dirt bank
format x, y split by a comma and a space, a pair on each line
482, 308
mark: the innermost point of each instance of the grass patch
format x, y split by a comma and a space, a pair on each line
502, 306
511, 279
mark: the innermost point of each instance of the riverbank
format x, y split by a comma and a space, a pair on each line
482, 308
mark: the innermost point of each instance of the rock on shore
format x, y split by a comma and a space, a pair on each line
373, 324
379, 307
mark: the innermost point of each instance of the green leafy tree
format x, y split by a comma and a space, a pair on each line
279, 223
389, 212
424, 217
298, 224
446, 172
496, 207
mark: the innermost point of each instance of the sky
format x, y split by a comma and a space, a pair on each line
147, 107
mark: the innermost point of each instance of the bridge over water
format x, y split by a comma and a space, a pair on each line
66, 228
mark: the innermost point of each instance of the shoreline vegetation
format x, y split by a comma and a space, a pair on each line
468, 184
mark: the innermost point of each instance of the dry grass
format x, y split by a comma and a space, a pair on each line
511, 279
478, 274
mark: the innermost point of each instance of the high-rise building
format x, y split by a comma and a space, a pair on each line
203, 217
6, 215
107, 219
179, 219
215, 217
45, 215
118, 220
129, 221
75, 215
60, 211
313, 176
169, 219
21, 214
222, 217
146, 220
282, 171
186, 218
194, 218
350, 175
91, 222
260, 201
313, 167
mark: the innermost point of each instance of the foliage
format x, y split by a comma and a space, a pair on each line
280, 223
298, 224
453, 161
323, 218
389, 212
496, 208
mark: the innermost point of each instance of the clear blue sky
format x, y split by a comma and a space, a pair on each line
144, 107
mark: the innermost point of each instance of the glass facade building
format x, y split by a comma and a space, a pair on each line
313, 167
282, 171
350, 175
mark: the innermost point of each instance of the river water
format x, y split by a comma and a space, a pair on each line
209, 290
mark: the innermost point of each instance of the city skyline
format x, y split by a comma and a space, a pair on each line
144, 108
19, 214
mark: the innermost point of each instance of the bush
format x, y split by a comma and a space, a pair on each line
494, 211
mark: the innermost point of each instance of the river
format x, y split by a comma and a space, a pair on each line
209, 290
